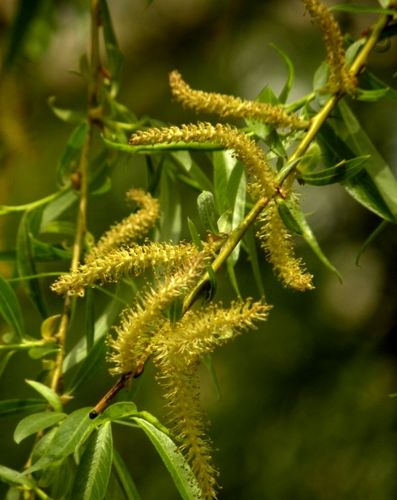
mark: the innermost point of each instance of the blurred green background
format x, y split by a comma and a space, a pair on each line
305, 410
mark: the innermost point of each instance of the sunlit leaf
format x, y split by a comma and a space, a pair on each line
36, 423
11, 476
344, 170
93, 472
207, 211
176, 464
51, 396
361, 9
291, 74
69, 435
10, 407
10, 309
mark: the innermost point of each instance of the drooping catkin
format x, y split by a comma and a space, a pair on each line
340, 78
277, 243
230, 106
111, 266
177, 350
130, 347
245, 149
131, 228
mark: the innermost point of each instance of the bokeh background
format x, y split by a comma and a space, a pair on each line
305, 410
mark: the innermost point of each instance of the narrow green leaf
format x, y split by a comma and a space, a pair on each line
66, 115
295, 219
93, 473
124, 477
224, 163
185, 160
157, 148
10, 309
36, 423
208, 363
174, 461
194, 234
249, 241
68, 437
102, 327
371, 238
369, 81
291, 74
371, 95
343, 171
375, 186
377, 169
89, 367
207, 211
113, 53
11, 476
4, 361
59, 227
89, 319
51, 396
10, 407
117, 411
171, 208
71, 154
362, 9
26, 265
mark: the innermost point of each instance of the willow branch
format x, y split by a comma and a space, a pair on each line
237, 234
83, 168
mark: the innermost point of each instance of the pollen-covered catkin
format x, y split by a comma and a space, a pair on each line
277, 243
131, 345
245, 149
111, 266
177, 349
131, 228
230, 106
340, 78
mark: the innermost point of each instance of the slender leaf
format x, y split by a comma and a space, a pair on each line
250, 246
371, 238
118, 411
4, 361
10, 407
36, 423
362, 9
372, 95
291, 74
71, 154
174, 461
26, 264
124, 477
171, 208
11, 476
51, 396
69, 436
102, 327
113, 53
66, 115
89, 367
194, 234
93, 473
10, 309
207, 211
343, 171
224, 163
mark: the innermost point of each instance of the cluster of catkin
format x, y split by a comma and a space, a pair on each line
145, 329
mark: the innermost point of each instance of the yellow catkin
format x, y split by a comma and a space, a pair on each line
132, 227
177, 350
131, 345
277, 243
230, 106
245, 149
134, 260
340, 78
